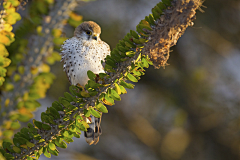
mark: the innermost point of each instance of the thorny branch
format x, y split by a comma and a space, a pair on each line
164, 34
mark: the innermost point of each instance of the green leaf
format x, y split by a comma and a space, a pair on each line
53, 152
158, 9
136, 41
142, 40
37, 137
61, 144
78, 131
16, 142
2, 151
68, 140
85, 125
61, 126
107, 100
6, 144
122, 49
87, 113
130, 53
117, 88
65, 134
156, 15
59, 40
47, 118
24, 132
15, 125
64, 101
8, 133
93, 93
95, 113
40, 150
37, 124
29, 158
84, 94
51, 146
93, 84
44, 117
145, 63
8, 156
22, 140
102, 75
136, 73
161, 5
2, 72
115, 95
115, 55
46, 153
72, 128
101, 108
129, 44
109, 68
74, 90
36, 154
109, 92
16, 149
76, 135
127, 85
46, 127
30, 145
134, 34
123, 90
167, 2
131, 78
79, 118
54, 112
9, 148
142, 26
68, 96
150, 20
111, 63
91, 75
21, 135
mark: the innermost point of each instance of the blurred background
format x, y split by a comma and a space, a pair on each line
189, 110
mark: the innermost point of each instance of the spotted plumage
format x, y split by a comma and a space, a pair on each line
81, 53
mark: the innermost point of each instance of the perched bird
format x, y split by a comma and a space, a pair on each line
81, 53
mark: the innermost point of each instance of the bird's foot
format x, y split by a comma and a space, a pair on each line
81, 87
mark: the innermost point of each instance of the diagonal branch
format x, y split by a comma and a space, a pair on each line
156, 34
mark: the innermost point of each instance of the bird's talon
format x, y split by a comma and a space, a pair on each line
82, 87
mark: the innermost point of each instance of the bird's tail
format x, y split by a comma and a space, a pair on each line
94, 131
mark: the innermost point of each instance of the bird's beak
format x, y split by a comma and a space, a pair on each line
94, 37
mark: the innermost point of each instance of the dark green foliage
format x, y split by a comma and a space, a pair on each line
91, 75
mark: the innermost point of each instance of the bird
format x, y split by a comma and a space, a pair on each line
83, 52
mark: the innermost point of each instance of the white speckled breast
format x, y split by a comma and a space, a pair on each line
79, 56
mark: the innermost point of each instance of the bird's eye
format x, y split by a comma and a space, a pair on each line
89, 33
